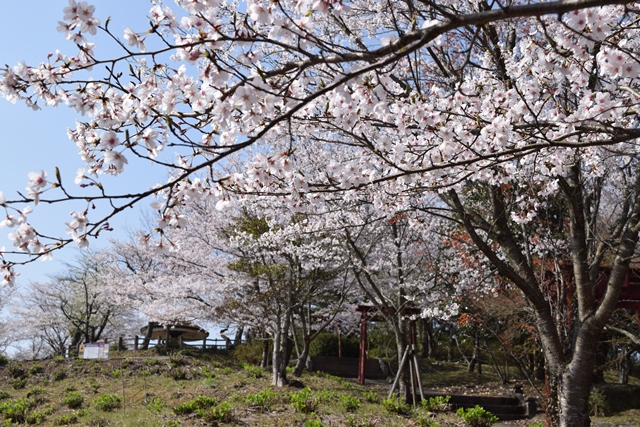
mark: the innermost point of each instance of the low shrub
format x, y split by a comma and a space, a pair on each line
217, 414
199, 403
303, 401
350, 403
437, 404
396, 406
253, 371
65, 420
477, 416
107, 402
73, 399
263, 399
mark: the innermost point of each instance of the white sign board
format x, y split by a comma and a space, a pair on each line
95, 351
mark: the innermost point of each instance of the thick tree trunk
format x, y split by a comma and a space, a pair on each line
147, 337
302, 358
281, 351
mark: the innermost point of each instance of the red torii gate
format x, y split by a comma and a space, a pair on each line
369, 313
629, 294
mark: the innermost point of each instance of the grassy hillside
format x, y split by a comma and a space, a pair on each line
145, 389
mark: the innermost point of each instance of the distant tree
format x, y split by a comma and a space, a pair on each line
70, 308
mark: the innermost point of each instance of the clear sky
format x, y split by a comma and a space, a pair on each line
34, 140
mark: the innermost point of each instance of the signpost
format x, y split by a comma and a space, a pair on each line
95, 351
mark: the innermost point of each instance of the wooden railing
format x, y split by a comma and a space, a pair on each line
135, 343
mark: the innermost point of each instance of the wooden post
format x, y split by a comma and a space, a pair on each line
166, 342
120, 344
363, 349
204, 343
135, 342
339, 343
180, 342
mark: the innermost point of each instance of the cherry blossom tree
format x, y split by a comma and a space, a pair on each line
69, 309
413, 99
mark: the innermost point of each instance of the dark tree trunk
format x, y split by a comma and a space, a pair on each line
147, 337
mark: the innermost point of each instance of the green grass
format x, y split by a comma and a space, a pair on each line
216, 390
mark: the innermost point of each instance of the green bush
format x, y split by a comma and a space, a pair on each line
58, 359
107, 402
19, 384
217, 414
263, 399
155, 405
437, 404
35, 417
396, 406
179, 374
3, 360
371, 396
37, 394
350, 403
35, 370
177, 359
248, 353
424, 420
16, 411
4, 395
477, 416
598, 405
65, 420
313, 422
59, 375
253, 371
326, 344
73, 399
303, 401
16, 371
200, 402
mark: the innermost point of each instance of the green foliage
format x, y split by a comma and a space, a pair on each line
4, 395
326, 344
437, 404
35, 417
253, 371
207, 372
227, 370
16, 371
424, 420
59, 375
155, 405
200, 402
249, 352
4, 361
179, 374
107, 402
350, 403
172, 423
396, 406
176, 360
371, 396
37, 394
35, 370
263, 399
65, 419
73, 399
326, 396
116, 373
477, 416
217, 414
19, 384
16, 411
303, 401
58, 359
314, 422
151, 362
598, 404
537, 424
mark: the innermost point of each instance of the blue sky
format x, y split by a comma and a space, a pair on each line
33, 140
